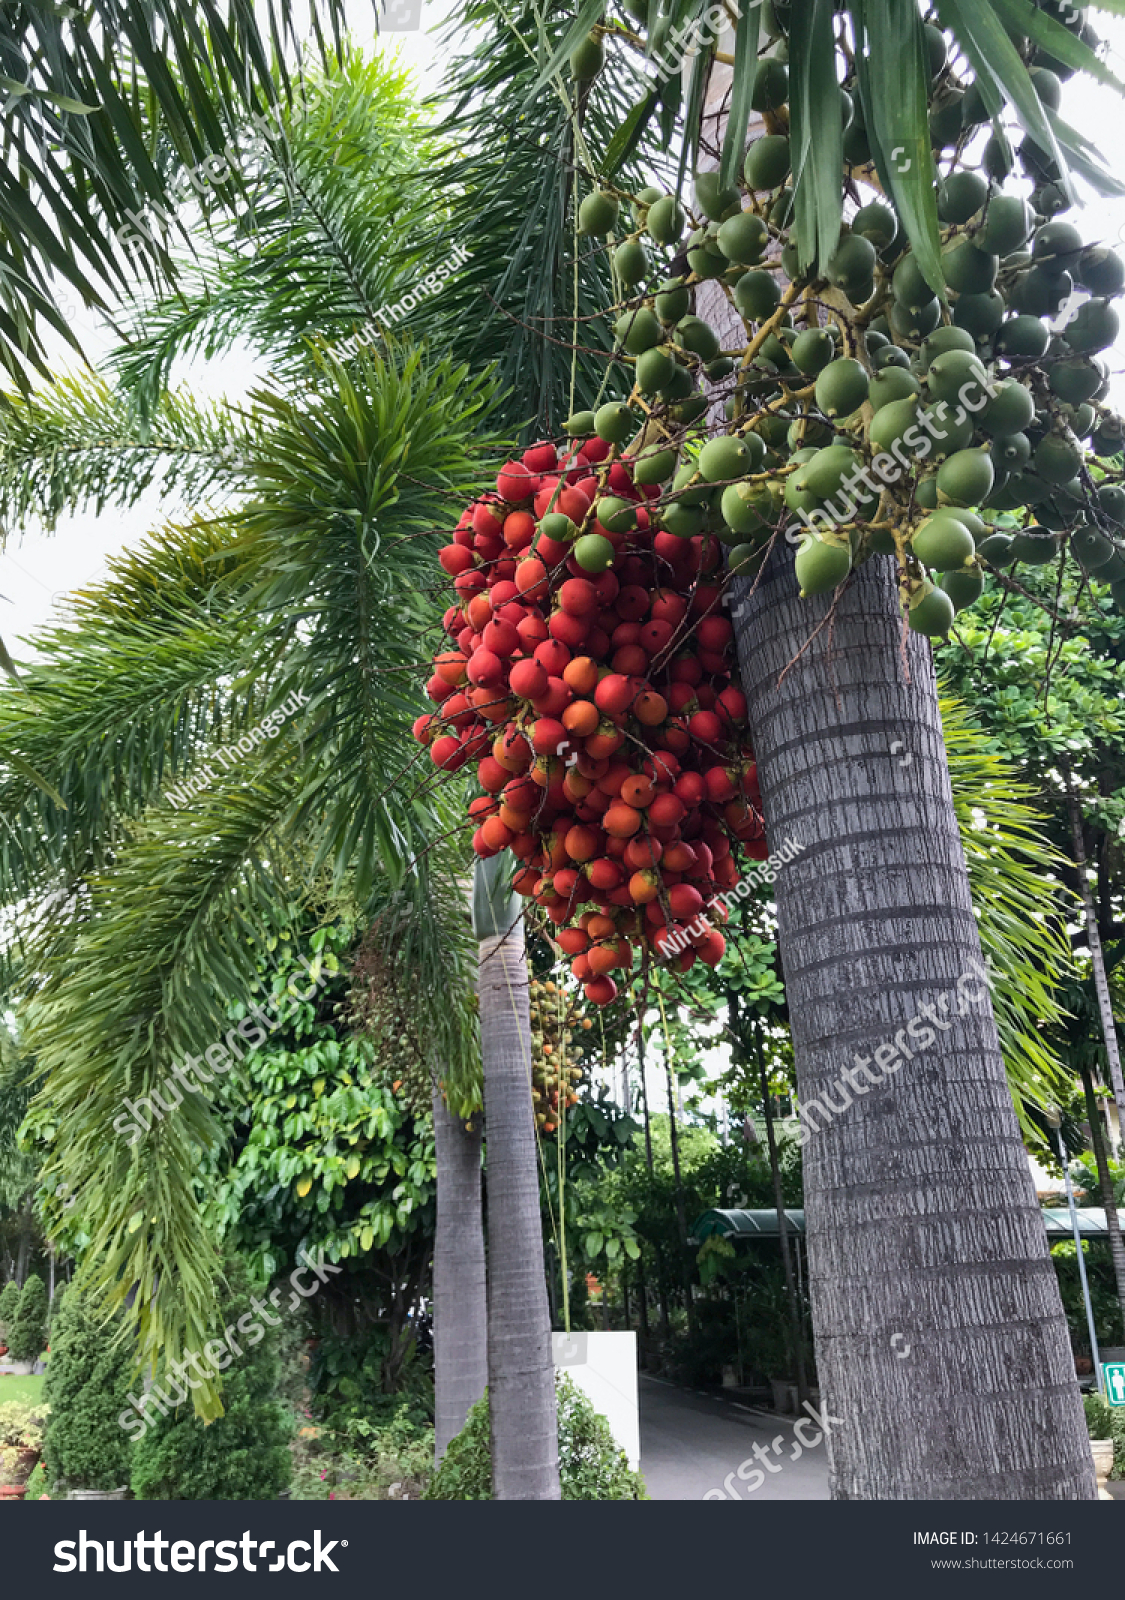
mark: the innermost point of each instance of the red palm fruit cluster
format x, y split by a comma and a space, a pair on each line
602, 710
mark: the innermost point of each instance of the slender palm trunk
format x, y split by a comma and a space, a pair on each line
460, 1301
796, 1331
521, 1382
1105, 1185
941, 1345
1097, 961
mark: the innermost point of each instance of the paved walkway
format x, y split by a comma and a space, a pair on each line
691, 1442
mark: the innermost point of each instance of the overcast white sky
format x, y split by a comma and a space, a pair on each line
36, 569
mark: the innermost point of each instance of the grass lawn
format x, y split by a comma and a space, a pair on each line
14, 1387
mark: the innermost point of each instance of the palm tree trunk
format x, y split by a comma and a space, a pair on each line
796, 1331
521, 1380
1105, 1184
460, 1301
1097, 960
941, 1345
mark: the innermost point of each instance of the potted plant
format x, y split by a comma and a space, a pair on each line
21, 1444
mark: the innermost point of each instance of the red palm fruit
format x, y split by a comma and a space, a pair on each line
593, 450
656, 636
605, 874
568, 629
589, 768
567, 880
487, 519
493, 703
731, 705
572, 941
504, 570
488, 549
513, 752
523, 846
715, 633
615, 694
679, 857
624, 950
598, 802
519, 530
686, 668
755, 849
666, 811
714, 665
451, 621
503, 590
622, 820
553, 656
596, 643
615, 846
516, 821
608, 586
643, 851
527, 679
543, 495
664, 768
576, 788
581, 718
514, 482
546, 736
551, 552
720, 785
682, 699
580, 967
491, 775
467, 640
559, 912
485, 669
605, 742
600, 991
555, 850
479, 612
716, 838
603, 958
599, 926
620, 897
438, 689
711, 948
496, 833
531, 577
483, 806
554, 699
579, 597
581, 674
644, 886
669, 606
467, 584
582, 842
463, 533
456, 712
669, 935
451, 666
424, 729
704, 861
540, 457
501, 638
705, 599
738, 814
521, 794
447, 753
525, 881
685, 960
631, 659
691, 788
632, 603
626, 633
532, 631
650, 708
613, 777
707, 696
455, 559
638, 791
480, 848
474, 742
684, 901
705, 728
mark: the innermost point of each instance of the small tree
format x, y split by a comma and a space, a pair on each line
29, 1330
9, 1304
241, 1456
87, 1389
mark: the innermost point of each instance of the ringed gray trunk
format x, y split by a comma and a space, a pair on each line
940, 1339
521, 1377
460, 1304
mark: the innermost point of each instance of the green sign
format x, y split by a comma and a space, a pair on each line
1114, 1374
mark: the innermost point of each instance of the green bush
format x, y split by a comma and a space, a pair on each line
29, 1331
591, 1466
9, 1305
1107, 1422
244, 1454
87, 1387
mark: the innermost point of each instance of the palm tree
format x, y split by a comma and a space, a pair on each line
460, 1296
520, 1368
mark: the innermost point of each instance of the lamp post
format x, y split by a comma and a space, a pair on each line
1054, 1118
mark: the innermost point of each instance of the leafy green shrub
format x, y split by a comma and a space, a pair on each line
21, 1428
9, 1305
591, 1465
29, 1331
1104, 1421
360, 1459
87, 1386
244, 1454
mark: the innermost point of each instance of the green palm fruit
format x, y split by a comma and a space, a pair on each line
931, 612
841, 388
767, 162
598, 213
822, 566
943, 542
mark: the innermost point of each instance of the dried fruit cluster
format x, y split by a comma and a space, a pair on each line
591, 676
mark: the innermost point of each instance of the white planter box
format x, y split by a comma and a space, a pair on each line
604, 1366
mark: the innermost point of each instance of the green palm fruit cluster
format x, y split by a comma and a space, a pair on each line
863, 412
555, 1072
